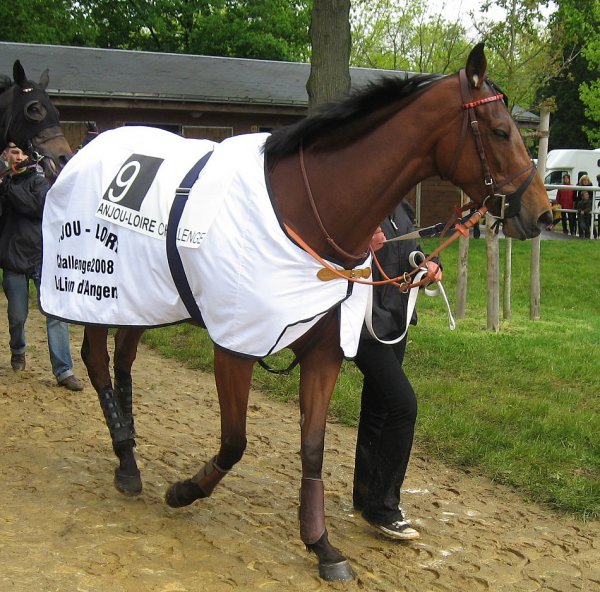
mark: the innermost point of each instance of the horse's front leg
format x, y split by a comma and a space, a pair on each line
127, 476
94, 353
126, 344
319, 369
232, 375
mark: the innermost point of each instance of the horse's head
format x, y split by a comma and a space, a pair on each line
29, 119
491, 163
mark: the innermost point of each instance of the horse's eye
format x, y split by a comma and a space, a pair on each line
35, 111
500, 133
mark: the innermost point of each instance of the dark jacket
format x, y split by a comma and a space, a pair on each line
22, 200
389, 304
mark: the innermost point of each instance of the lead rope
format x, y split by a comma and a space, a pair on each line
412, 300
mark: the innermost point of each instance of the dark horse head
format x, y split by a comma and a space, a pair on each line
31, 121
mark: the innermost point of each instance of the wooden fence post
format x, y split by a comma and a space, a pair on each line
493, 277
535, 289
462, 273
507, 309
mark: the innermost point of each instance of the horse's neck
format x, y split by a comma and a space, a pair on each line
356, 187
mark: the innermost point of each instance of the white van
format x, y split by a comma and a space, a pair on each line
575, 163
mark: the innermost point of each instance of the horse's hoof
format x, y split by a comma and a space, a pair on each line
183, 493
336, 572
128, 484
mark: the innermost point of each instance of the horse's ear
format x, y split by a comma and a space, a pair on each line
45, 79
476, 66
19, 73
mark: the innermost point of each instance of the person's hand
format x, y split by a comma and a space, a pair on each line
434, 271
377, 239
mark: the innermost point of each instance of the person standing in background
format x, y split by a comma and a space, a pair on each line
22, 196
564, 198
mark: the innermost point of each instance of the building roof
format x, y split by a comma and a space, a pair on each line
115, 73
525, 118
122, 74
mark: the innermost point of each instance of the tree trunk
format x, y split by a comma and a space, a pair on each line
330, 37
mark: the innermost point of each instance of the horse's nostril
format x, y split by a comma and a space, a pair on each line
545, 219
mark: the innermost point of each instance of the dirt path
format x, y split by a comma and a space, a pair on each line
63, 527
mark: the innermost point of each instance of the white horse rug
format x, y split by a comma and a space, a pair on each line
106, 234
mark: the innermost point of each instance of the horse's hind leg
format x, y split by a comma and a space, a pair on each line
94, 353
232, 375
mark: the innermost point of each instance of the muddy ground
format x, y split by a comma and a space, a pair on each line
63, 526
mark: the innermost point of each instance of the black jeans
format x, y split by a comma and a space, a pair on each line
385, 431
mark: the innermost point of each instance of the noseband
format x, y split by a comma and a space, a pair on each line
503, 205
35, 147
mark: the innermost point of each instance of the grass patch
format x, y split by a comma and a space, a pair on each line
521, 406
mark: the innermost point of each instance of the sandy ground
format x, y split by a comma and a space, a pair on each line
63, 526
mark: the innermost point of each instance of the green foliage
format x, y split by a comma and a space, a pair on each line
521, 406
574, 32
40, 21
266, 29
520, 55
400, 35
590, 90
568, 122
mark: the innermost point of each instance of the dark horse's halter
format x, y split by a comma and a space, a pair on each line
504, 205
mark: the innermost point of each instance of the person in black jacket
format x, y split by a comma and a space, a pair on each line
388, 402
22, 195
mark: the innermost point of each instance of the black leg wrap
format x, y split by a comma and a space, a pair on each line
119, 426
123, 390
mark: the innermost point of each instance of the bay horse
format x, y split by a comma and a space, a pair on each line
331, 178
30, 120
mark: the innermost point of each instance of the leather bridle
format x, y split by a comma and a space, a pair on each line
35, 147
500, 205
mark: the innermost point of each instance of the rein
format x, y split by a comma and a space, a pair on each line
404, 281
313, 206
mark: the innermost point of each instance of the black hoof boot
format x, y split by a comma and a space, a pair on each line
127, 484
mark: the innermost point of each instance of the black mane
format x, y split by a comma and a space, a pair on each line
343, 122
